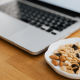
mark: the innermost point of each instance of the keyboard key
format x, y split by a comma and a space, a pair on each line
53, 33
46, 23
49, 30
57, 28
45, 27
73, 21
42, 28
44, 20
33, 22
38, 24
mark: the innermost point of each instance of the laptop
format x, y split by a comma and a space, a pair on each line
33, 25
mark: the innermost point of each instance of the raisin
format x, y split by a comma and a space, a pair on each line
74, 65
58, 54
79, 63
75, 47
75, 69
77, 55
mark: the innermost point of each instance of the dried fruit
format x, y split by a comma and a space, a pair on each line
58, 54
75, 69
62, 58
55, 62
78, 55
54, 57
74, 47
79, 63
74, 65
60, 63
69, 57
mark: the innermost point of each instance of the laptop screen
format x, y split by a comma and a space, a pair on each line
72, 5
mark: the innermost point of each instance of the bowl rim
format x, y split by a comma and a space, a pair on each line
72, 76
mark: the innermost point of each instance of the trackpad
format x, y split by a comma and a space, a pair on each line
9, 25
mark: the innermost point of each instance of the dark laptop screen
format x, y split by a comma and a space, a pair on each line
72, 5
69, 7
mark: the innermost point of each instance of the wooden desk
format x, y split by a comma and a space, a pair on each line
16, 64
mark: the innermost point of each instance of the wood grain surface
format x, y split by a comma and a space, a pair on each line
16, 64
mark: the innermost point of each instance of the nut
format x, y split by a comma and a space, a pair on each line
62, 47
62, 52
55, 51
63, 68
71, 55
55, 62
71, 50
68, 67
68, 58
69, 71
79, 50
65, 55
76, 58
78, 45
54, 57
78, 72
62, 58
73, 61
67, 63
76, 51
60, 63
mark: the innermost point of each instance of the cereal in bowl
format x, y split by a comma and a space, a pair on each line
67, 57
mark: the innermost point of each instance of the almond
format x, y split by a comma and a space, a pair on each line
62, 58
55, 62
54, 57
60, 63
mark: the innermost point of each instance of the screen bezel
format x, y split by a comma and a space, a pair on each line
56, 8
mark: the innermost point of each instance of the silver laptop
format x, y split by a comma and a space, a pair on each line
33, 25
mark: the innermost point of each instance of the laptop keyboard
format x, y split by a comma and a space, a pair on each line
39, 18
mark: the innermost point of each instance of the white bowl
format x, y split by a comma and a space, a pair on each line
53, 47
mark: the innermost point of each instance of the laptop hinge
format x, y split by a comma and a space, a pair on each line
56, 8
